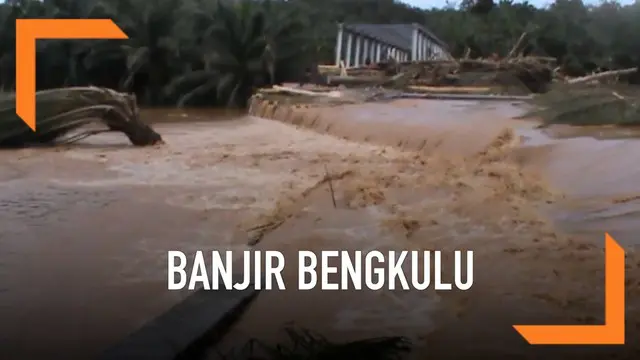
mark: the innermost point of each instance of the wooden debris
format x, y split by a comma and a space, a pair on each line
602, 75
513, 74
333, 195
452, 89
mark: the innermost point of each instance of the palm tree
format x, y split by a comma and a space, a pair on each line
152, 48
244, 46
63, 62
290, 44
9, 12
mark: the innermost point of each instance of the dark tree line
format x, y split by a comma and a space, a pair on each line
215, 52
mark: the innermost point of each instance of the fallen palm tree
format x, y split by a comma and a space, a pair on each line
582, 105
63, 114
603, 75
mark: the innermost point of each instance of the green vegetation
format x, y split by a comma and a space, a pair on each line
210, 52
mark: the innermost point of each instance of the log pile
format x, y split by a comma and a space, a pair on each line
519, 75
601, 98
514, 74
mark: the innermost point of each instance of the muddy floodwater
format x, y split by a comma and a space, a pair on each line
85, 228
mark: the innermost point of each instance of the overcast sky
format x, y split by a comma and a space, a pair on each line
441, 3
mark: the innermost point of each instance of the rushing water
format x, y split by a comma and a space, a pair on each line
81, 243
595, 167
82, 265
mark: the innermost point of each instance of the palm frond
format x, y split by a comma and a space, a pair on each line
61, 111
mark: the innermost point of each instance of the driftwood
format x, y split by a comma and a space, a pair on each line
339, 69
468, 97
467, 53
515, 49
602, 75
289, 90
451, 89
333, 195
355, 80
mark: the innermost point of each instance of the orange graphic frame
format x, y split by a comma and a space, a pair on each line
30, 30
612, 332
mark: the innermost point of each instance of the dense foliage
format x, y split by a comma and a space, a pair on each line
216, 52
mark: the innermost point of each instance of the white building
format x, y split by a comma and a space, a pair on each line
404, 42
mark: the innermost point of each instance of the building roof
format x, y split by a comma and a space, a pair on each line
398, 35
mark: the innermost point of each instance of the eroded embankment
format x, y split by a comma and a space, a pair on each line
413, 125
452, 186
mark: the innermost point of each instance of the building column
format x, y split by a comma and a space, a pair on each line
372, 51
414, 43
425, 45
356, 61
347, 62
378, 54
365, 50
426, 48
339, 44
425, 41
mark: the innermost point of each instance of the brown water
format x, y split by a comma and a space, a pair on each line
596, 170
83, 240
593, 166
85, 229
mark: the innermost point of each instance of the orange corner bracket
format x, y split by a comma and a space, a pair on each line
30, 30
613, 330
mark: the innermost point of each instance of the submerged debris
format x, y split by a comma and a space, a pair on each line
61, 113
582, 105
305, 345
